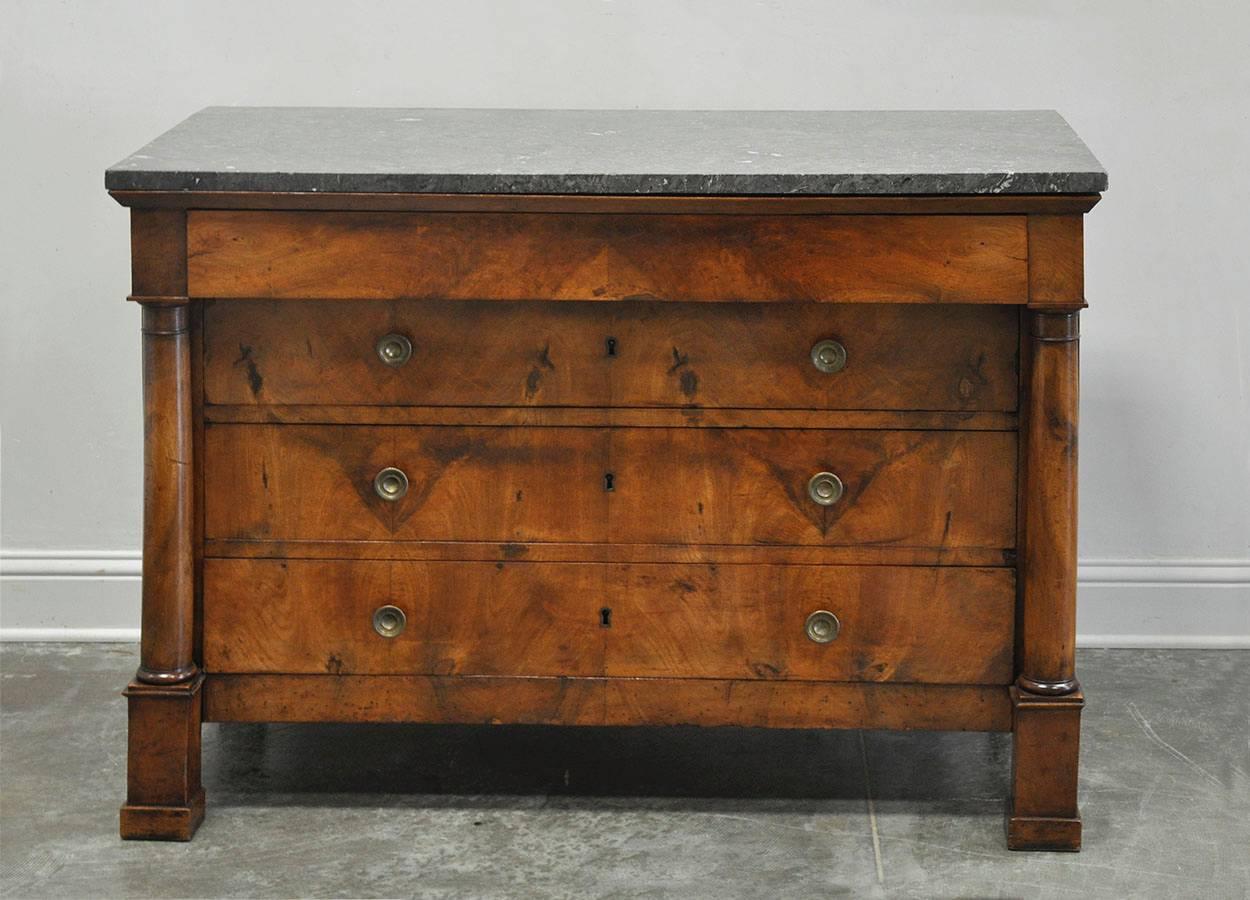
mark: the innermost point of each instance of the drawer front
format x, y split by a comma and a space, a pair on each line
629, 354
900, 624
944, 489
545, 256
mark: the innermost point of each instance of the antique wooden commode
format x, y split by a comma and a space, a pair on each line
617, 418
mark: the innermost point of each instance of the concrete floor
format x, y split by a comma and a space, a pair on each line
398, 811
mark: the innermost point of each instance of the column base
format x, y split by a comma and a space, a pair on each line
1047, 736
1030, 833
162, 823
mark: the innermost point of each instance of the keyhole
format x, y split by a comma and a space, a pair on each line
605, 617
609, 481
611, 342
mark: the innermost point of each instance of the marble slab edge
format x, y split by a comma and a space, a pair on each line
617, 184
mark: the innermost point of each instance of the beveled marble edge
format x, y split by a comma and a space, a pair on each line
620, 184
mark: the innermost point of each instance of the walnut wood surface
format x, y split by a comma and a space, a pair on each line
615, 417
1045, 758
499, 353
604, 701
1057, 261
164, 796
1048, 605
485, 551
710, 418
691, 485
908, 624
526, 256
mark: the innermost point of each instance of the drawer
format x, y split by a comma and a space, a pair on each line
900, 624
628, 354
602, 257
944, 489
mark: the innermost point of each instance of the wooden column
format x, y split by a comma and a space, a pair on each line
1046, 698
164, 799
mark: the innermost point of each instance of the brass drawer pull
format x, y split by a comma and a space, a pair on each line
390, 484
829, 356
394, 349
825, 488
822, 626
389, 621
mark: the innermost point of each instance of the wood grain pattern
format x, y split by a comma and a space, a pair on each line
499, 353
697, 486
601, 701
935, 625
1057, 261
1045, 759
164, 794
614, 417
1048, 602
484, 551
525, 256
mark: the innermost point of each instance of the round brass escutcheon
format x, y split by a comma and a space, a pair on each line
390, 484
829, 356
389, 621
822, 626
394, 349
825, 488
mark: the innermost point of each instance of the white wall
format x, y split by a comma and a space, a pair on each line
1158, 90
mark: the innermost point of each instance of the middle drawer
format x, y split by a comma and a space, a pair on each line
745, 486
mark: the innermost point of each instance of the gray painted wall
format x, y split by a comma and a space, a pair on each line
1158, 90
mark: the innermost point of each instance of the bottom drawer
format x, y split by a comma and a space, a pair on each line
889, 623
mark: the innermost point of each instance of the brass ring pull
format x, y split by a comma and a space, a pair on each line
394, 349
389, 621
829, 356
390, 484
825, 488
822, 626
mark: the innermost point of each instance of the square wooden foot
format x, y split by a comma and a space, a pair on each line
1047, 743
164, 797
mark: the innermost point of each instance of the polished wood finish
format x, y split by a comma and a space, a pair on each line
950, 559
604, 701
550, 551
1045, 758
788, 205
526, 256
164, 797
621, 355
949, 625
166, 651
614, 417
681, 485
1056, 261
1047, 664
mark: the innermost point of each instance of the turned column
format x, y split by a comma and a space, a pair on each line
1046, 698
164, 798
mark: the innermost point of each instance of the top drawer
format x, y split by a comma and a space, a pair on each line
631, 354
554, 256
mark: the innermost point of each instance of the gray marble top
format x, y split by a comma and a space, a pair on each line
503, 151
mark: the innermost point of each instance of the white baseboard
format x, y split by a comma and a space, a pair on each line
77, 595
